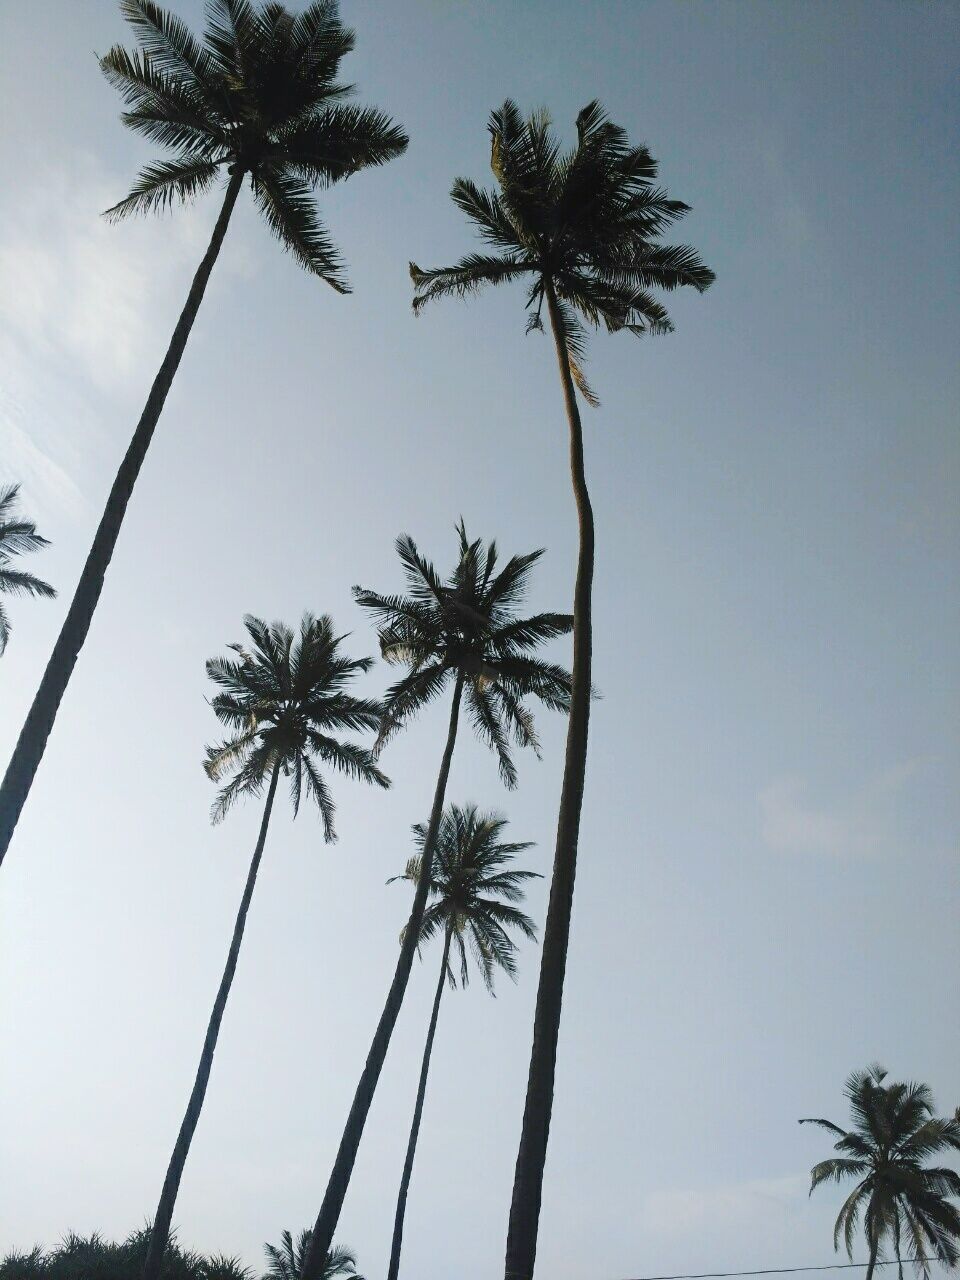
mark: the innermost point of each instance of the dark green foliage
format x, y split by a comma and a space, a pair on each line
468, 624
903, 1202
586, 222
286, 1262
17, 536
258, 94
93, 1258
282, 700
474, 891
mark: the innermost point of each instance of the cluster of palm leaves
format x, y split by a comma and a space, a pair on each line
93, 1258
257, 100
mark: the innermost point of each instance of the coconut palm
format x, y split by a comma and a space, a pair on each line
283, 699
464, 631
474, 890
16, 537
257, 98
899, 1196
94, 1258
581, 231
286, 1262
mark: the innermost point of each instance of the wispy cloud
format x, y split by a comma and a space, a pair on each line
81, 309
733, 1206
860, 825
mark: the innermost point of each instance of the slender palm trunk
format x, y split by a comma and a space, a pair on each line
171, 1183
394, 1268
531, 1157
28, 752
322, 1236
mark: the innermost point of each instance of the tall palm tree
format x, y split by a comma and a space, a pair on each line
581, 231
16, 537
282, 700
463, 631
894, 1132
475, 890
286, 1262
258, 97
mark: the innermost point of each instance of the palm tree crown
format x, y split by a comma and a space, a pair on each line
894, 1132
286, 1262
467, 626
16, 537
258, 95
474, 890
584, 223
282, 698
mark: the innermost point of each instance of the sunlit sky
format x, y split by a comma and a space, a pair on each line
768, 892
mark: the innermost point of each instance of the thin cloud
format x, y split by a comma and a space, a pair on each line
85, 312
724, 1208
860, 825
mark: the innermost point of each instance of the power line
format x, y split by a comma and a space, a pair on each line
780, 1271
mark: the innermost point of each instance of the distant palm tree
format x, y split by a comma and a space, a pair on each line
94, 1258
282, 701
257, 97
17, 536
474, 888
286, 1263
894, 1132
581, 231
465, 630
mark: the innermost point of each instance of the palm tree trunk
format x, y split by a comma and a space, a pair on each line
394, 1268
531, 1157
36, 728
322, 1235
171, 1183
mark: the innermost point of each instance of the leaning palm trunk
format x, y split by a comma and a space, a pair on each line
36, 728
394, 1268
326, 1224
171, 1183
532, 1155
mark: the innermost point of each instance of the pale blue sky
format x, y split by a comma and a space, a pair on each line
768, 888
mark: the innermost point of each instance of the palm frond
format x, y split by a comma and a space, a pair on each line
161, 185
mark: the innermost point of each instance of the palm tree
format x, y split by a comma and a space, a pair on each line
474, 890
258, 97
581, 231
286, 1262
894, 1132
281, 699
465, 631
16, 537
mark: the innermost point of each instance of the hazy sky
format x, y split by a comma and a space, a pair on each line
768, 890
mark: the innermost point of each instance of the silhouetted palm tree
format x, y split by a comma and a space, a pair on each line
580, 230
17, 536
465, 631
94, 1258
258, 97
899, 1196
282, 699
286, 1263
474, 888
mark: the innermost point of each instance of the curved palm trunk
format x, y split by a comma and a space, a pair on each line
171, 1183
28, 752
322, 1236
394, 1268
531, 1157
